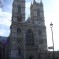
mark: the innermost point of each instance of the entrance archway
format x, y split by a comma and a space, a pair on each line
31, 57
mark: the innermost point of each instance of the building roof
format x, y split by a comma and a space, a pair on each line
3, 39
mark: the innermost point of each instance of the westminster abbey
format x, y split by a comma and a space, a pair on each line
27, 38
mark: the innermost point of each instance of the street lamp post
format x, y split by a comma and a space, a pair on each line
51, 25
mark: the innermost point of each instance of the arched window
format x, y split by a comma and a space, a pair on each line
40, 35
38, 12
18, 30
19, 9
19, 18
29, 37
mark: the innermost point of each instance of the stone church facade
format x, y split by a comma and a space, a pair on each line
27, 38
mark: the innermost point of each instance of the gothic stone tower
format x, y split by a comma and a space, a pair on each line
17, 45
27, 38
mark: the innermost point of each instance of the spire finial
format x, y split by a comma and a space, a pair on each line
34, 0
31, 2
40, 1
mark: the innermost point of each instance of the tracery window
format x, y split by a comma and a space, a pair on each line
29, 37
19, 9
19, 18
40, 35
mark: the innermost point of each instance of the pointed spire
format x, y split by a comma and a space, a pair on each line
34, 1
40, 1
31, 2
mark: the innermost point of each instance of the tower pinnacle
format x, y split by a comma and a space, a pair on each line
40, 1
34, 1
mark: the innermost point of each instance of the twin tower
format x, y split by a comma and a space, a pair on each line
27, 38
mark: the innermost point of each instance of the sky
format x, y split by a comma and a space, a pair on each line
51, 14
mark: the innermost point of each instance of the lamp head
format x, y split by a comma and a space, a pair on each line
51, 25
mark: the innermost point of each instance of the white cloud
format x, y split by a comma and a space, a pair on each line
5, 18
2, 32
5, 21
27, 9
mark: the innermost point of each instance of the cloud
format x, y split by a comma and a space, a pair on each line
5, 18
5, 22
1, 3
27, 9
2, 32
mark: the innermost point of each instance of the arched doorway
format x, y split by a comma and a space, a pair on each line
31, 57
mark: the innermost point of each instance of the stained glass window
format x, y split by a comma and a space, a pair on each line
29, 37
